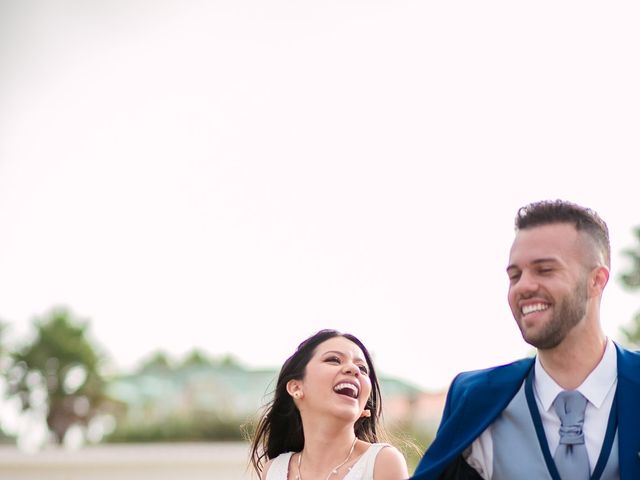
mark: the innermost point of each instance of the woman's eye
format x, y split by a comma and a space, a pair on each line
364, 370
333, 359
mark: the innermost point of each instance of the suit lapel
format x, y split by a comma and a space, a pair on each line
628, 398
485, 401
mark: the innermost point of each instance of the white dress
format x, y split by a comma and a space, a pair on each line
361, 470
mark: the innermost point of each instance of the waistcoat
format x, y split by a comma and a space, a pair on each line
517, 451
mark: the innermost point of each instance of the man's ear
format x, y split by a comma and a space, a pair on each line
598, 280
294, 388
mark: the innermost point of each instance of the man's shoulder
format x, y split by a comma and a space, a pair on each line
632, 355
514, 371
628, 363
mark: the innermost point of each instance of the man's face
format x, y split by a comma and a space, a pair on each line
548, 282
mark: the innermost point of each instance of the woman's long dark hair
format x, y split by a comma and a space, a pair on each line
280, 428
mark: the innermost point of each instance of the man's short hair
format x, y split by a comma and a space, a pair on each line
560, 211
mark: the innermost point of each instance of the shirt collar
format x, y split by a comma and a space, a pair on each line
595, 387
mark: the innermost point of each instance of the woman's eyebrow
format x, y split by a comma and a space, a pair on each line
334, 352
342, 354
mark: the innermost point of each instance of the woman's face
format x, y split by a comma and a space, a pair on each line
336, 380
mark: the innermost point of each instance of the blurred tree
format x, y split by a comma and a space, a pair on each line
229, 361
196, 358
5, 363
156, 361
3, 348
631, 280
60, 368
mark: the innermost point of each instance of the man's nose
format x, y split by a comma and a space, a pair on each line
527, 283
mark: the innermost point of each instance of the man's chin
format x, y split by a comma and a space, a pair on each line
542, 342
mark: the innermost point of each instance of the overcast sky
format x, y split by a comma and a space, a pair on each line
234, 175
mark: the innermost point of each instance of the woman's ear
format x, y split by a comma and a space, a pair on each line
294, 388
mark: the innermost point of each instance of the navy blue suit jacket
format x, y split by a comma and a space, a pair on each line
475, 400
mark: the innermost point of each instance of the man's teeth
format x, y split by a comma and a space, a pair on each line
537, 307
352, 390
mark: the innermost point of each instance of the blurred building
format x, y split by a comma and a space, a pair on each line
231, 392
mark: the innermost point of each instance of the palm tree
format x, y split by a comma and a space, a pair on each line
62, 362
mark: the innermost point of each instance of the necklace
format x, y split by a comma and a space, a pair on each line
335, 469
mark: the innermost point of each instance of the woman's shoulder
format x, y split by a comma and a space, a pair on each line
380, 461
277, 468
389, 462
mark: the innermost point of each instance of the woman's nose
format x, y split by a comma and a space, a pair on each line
351, 369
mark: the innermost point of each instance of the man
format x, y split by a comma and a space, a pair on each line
573, 411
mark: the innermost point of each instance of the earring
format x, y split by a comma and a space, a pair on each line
297, 395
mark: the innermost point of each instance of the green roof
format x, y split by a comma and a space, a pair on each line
226, 389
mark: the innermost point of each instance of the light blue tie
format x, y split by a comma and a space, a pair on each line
571, 456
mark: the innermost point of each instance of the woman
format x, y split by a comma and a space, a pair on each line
322, 423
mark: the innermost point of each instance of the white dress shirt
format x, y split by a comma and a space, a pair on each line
599, 389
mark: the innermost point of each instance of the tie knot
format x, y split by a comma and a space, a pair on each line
570, 406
